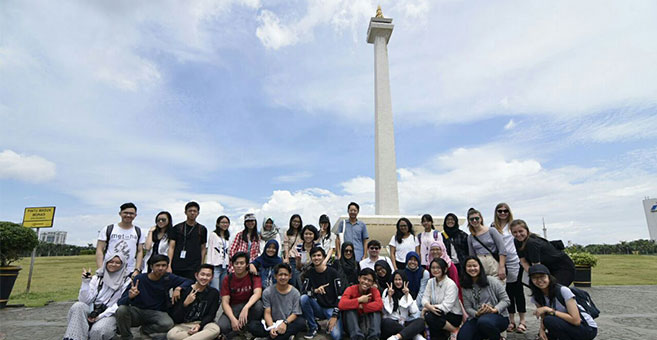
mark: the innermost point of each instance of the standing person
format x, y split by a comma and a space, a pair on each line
144, 302
310, 235
157, 241
438, 252
269, 232
503, 217
264, 264
373, 250
455, 240
124, 237
355, 231
561, 316
361, 307
322, 289
400, 311
92, 317
485, 301
442, 308
196, 309
383, 275
291, 240
328, 240
187, 243
240, 299
347, 266
533, 249
282, 310
487, 244
417, 276
402, 243
426, 238
218, 251
247, 240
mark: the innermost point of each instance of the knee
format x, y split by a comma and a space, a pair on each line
166, 323
122, 311
551, 321
79, 307
305, 299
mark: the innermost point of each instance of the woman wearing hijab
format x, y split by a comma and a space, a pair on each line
455, 240
347, 266
438, 252
270, 231
264, 264
417, 276
383, 274
92, 317
400, 311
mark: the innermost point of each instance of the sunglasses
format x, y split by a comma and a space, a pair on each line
161, 219
375, 248
348, 251
502, 211
474, 218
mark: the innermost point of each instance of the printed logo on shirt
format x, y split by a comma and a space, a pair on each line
123, 237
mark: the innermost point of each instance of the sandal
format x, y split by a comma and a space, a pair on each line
522, 328
512, 327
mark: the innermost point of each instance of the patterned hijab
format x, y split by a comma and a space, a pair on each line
114, 280
271, 234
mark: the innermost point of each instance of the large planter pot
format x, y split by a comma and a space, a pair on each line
8, 277
582, 276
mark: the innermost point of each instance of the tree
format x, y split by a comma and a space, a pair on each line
15, 240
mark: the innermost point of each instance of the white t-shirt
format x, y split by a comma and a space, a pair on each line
368, 263
123, 240
401, 249
328, 244
567, 295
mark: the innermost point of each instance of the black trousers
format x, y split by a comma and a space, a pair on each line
516, 295
298, 325
437, 322
390, 327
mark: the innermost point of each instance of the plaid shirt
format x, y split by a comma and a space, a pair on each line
240, 245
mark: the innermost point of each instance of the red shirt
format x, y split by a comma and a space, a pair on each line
240, 290
349, 300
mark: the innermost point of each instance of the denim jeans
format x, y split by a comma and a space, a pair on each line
487, 326
219, 274
366, 326
311, 310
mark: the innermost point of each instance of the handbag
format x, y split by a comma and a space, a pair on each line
496, 255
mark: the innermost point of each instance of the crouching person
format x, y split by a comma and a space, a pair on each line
361, 307
283, 318
196, 309
240, 298
144, 301
92, 317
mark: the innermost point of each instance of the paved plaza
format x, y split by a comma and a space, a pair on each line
628, 312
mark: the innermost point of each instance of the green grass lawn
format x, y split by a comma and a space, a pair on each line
58, 278
625, 270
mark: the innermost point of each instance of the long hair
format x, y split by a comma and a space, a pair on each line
169, 225
473, 211
399, 235
496, 221
428, 218
254, 233
537, 293
523, 225
218, 230
397, 293
328, 229
290, 230
442, 264
466, 279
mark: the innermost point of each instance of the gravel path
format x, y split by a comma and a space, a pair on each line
628, 312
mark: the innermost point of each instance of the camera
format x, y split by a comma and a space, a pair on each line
98, 309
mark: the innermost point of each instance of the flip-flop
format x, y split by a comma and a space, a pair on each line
512, 327
522, 328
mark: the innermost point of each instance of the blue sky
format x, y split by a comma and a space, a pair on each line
267, 106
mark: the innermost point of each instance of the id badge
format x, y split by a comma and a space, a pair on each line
183, 253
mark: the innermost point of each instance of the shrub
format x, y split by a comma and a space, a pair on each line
583, 259
14, 241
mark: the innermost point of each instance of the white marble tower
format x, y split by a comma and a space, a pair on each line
386, 194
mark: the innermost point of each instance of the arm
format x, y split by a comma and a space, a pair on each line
100, 247
212, 309
393, 257
149, 239
225, 305
349, 300
468, 303
140, 258
503, 300
337, 246
170, 251
257, 293
524, 264
177, 311
88, 290
471, 250
113, 303
204, 251
375, 304
387, 302
365, 248
268, 319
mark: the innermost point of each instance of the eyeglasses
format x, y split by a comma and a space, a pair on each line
375, 248
503, 211
161, 219
348, 251
474, 218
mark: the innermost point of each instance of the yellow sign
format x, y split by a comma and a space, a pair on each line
41, 217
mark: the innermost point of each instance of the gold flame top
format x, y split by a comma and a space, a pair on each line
379, 13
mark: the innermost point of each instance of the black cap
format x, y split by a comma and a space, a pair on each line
538, 269
324, 219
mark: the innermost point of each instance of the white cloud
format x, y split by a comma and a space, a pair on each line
510, 125
25, 168
272, 34
293, 177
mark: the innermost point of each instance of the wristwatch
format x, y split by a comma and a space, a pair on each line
285, 322
552, 312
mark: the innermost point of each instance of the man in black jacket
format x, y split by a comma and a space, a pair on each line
194, 313
322, 288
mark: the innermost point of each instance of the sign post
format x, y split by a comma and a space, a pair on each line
38, 217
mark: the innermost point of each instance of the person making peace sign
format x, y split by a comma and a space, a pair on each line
400, 312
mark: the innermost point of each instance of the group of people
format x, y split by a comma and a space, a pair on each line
434, 284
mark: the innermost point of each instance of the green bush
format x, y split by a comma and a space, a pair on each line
583, 259
14, 241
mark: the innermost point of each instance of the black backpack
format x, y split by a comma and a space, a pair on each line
584, 302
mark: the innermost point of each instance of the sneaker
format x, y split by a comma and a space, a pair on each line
392, 337
419, 337
311, 334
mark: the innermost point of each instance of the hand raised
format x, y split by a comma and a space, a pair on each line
190, 297
134, 289
364, 298
321, 289
405, 289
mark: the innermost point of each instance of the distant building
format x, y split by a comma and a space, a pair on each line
56, 237
650, 208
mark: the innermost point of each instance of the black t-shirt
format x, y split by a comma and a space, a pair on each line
333, 290
189, 238
204, 308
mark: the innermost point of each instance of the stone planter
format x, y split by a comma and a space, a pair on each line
8, 277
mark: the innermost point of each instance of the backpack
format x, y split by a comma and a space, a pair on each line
584, 302
558, 244
108, 233
435, 236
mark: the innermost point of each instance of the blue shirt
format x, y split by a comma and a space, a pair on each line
355, 233
153, 294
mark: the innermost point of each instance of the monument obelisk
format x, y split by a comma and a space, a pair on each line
386, 194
